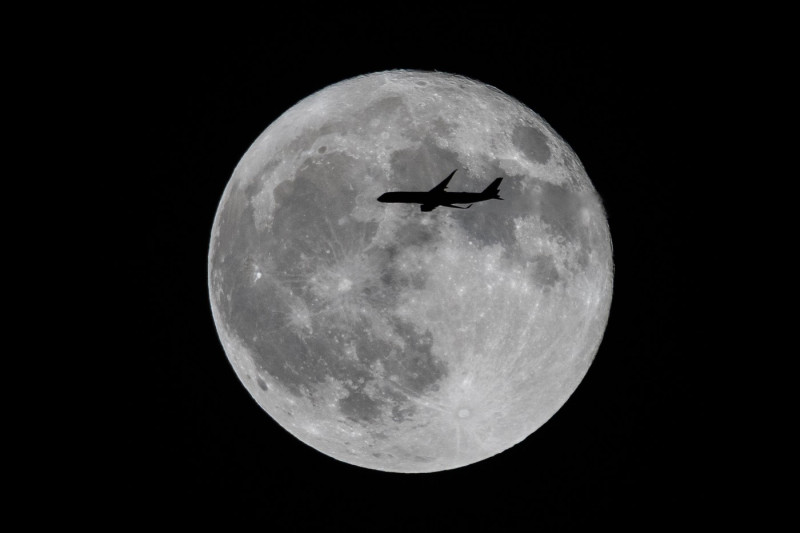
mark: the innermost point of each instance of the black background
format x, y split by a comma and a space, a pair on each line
623, 449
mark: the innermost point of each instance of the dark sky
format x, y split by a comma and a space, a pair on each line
619, 450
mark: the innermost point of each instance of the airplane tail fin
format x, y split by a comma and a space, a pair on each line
493, 190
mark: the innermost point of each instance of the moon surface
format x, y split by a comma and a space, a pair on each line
401, 340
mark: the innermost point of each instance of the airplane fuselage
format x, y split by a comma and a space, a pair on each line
441, 198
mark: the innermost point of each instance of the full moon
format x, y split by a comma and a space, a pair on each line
396, 339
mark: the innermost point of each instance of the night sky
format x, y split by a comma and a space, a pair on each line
620, 450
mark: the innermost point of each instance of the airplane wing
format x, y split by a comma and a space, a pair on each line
443, 185
431, 207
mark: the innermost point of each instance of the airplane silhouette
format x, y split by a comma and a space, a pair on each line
437, 196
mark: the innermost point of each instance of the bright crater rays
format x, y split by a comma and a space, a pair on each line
394, 339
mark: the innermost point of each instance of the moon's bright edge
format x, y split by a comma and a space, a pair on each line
394, 339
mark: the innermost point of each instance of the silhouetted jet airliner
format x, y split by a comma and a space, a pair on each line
437, 196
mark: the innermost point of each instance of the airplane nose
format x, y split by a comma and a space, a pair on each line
381, 197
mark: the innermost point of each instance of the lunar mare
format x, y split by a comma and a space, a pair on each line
394, 339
